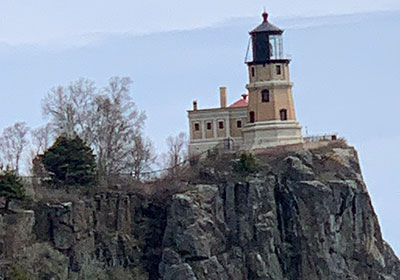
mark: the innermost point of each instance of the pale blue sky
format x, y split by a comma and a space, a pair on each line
77, 22
345, 61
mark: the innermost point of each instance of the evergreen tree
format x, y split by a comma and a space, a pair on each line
11, 187
246, 164
70, 162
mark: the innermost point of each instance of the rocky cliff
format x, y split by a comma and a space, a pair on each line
304, 214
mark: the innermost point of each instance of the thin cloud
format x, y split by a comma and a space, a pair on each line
68, 41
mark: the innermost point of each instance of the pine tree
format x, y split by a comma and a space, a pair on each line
70, 162
11, 187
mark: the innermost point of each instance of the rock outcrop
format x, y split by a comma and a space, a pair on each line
306, 215
300, 215
119, 230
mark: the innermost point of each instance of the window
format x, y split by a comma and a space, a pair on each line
221, 124
283, 114
239, 123
252, 71
252, 117
265, 96
275, 46
209, 126
278, 70
196, 126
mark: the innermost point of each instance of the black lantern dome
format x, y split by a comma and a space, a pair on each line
265, 26
266, 41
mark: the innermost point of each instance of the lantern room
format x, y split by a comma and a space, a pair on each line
266, 43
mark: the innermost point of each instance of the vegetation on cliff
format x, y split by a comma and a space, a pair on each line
70, 162
11, 187
105, 118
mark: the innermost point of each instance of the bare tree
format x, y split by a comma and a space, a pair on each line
141, 157
117, 124
176, 153
13, 141
106, 119
41, 139
71, 109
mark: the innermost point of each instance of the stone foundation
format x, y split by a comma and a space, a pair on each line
271, 133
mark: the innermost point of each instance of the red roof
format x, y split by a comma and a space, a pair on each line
242, 102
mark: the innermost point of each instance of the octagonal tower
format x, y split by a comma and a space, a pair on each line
271, 113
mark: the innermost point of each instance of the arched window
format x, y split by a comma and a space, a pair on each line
252, 117
283, 114
265, 95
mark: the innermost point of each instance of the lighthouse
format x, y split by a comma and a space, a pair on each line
264, 116
271, 116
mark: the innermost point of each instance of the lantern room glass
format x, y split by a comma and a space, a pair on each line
275, 47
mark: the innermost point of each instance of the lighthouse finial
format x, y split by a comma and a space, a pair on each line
265, 15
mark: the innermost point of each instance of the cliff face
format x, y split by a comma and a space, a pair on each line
301, 215
119, 230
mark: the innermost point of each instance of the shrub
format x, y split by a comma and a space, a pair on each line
11, 187
18, 273
42, 261
70, 162
91, 268
246, 164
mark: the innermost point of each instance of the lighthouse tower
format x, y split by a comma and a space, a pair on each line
271, 118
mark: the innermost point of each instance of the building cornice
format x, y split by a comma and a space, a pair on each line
271, 125
269, 84
226, 109
210, 114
